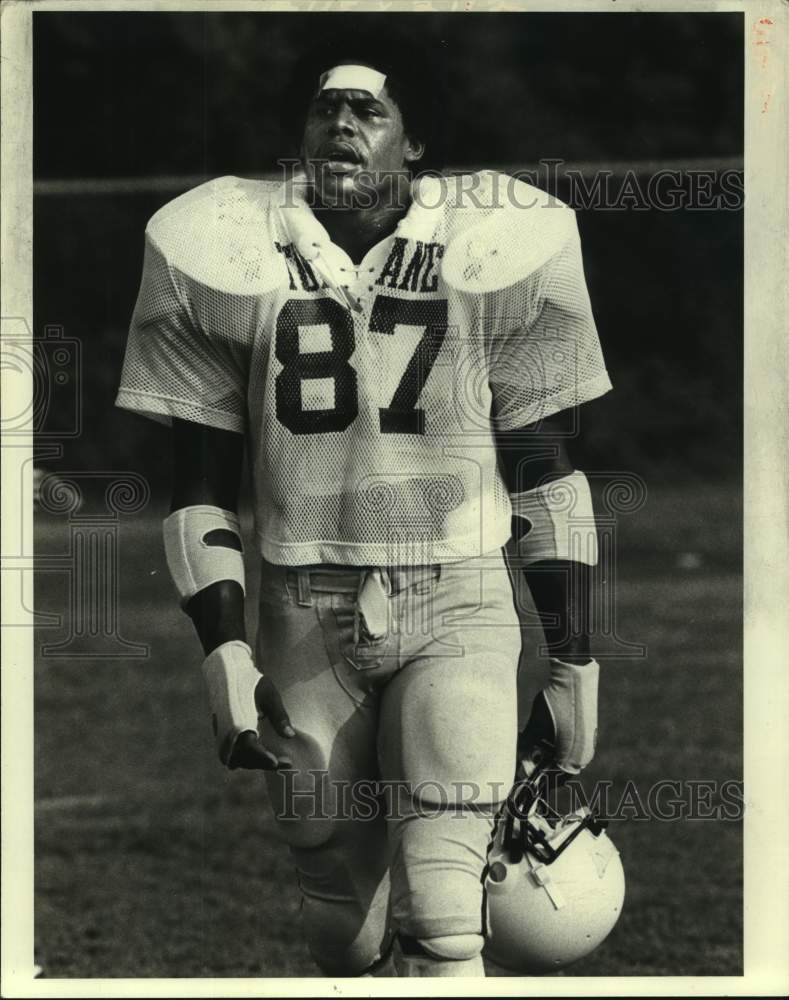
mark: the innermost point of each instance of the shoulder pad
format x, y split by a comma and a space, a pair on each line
502, 230
216, 234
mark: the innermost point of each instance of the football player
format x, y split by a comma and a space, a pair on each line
391, 350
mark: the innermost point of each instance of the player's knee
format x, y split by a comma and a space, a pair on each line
356, 959
453, 947
344, 885
441, 909
436, 874
343, 941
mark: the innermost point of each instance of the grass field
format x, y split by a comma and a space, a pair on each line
153, 861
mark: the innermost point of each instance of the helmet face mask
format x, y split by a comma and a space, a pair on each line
533, 826
554, 884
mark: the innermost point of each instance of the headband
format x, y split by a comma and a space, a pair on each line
353, 78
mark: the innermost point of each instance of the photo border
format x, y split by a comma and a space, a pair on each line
766, 633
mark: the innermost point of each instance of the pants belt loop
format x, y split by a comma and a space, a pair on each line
304, 590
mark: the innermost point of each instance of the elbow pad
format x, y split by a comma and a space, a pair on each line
561, 522
203, 546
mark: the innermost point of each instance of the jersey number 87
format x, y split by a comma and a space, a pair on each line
402, 416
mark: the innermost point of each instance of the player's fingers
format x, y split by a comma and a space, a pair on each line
270, 705
540, 731
250, 754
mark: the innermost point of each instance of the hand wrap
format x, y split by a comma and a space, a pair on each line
231, 677
571, 696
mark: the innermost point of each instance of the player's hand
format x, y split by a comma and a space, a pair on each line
238, 693
563, 720
248, 752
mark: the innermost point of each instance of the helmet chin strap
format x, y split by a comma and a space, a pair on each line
541, 875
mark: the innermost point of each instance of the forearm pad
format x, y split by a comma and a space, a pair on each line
559, 521
203, 546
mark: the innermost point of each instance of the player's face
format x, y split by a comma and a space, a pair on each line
353, 142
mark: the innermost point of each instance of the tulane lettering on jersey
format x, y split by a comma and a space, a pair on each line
367, 390
416, 263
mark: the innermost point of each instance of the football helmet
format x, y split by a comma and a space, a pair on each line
554, 884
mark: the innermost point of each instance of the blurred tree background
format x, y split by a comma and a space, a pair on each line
148, 95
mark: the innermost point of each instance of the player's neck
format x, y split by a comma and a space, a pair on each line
357, 230
357, 220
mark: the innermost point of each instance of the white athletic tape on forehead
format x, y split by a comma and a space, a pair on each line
353, 78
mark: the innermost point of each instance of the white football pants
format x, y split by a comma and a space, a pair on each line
405, 677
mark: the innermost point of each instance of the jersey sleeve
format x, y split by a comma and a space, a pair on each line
547, 356
173, 366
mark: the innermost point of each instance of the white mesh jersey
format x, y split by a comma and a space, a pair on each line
367, 391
